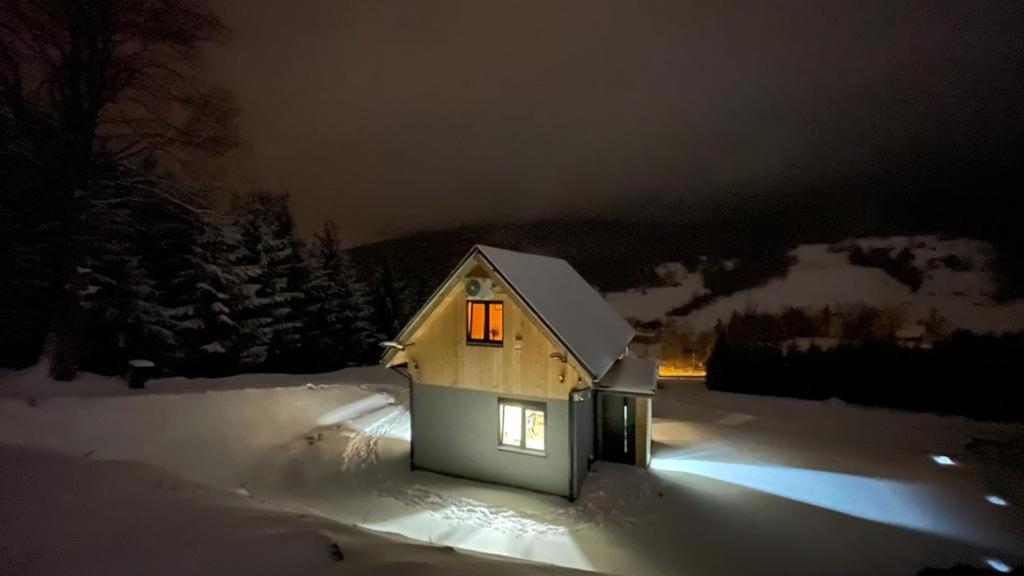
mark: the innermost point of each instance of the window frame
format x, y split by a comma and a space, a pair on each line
523, 405
486, 340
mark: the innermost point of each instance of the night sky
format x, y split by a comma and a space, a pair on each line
393, 116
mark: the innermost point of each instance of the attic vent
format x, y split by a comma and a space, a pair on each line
479, 288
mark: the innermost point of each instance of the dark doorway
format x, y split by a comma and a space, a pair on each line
617, 428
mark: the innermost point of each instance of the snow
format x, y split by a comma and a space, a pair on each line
213, 348
737, 485
34, 382
130, 518
823, 277
645, 304
577, 314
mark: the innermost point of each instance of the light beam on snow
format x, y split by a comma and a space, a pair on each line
354, 409
993, 499
894, 502
998, 565
388, 422
547, 543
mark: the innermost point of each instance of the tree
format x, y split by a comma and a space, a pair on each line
364, 336
25, 230
272, 276
396, 297
340, 328
935, 325
98, 90
327, 303
207, 299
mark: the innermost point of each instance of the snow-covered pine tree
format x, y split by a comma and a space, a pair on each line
326, 304
396, 297
125, 315
340, 331
272, 275
363, 336
207, 292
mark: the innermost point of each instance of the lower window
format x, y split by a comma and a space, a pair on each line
521, 424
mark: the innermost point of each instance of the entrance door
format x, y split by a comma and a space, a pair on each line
617, 425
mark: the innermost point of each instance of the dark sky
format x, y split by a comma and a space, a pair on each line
392, 116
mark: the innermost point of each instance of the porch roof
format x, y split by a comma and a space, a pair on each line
631, 376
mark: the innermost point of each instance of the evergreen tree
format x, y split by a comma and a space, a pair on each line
396, 298
340, 327
207, 295
363, 336
326, 304
125, 314
271, 275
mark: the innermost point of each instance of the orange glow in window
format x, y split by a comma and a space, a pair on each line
495, 328
475, 317
485, 322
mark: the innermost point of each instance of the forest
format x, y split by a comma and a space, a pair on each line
115, 248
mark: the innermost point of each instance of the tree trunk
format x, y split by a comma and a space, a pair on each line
64, 339
65, 334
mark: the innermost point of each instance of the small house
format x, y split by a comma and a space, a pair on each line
520, 374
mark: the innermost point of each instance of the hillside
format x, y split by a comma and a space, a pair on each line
955, 279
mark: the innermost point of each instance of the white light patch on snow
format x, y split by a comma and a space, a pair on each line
354, 409
993, 499
998, 565
457, 526
943, 460
391, 421
893, 502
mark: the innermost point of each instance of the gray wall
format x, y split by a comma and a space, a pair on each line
583, 419
455, 431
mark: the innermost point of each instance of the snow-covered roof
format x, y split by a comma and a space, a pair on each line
631, 376
575, 313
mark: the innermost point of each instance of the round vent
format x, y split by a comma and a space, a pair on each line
479, 288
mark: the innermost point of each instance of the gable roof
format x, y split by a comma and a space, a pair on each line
566, 304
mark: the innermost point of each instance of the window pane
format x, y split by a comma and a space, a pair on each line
496, 330
511, 425
534, 429
475, 320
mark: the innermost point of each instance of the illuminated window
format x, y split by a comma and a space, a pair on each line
485, 322
521, 425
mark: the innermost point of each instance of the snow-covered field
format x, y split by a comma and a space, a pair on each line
253, 478
821, 277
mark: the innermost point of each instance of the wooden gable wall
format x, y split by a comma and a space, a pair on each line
437, 352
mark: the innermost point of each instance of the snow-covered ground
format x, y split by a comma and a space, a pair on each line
72, 515
738, 484
820, 277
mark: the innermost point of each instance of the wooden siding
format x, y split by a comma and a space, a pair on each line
438, 353
643, 431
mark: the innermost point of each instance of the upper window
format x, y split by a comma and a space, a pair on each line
484, 322
521, 424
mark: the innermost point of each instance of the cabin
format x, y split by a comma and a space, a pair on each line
520, 374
